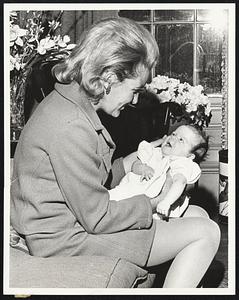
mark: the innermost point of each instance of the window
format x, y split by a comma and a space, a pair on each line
190, 43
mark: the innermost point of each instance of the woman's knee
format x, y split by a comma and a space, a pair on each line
173, 236
196, 211
211, 232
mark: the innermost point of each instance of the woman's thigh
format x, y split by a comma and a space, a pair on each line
171, 237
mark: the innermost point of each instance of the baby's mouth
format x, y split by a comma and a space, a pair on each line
168, 144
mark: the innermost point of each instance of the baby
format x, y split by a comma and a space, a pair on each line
178, 155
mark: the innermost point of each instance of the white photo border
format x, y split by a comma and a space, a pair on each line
231, 141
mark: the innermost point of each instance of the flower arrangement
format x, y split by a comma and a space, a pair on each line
187, 102
33, 42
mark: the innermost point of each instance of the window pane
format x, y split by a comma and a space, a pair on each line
203, 14
176, 51
173, 15
209, 50
137, 15
147, 26
212, 15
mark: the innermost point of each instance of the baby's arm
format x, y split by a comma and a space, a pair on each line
144, 170
175, 191
127, 160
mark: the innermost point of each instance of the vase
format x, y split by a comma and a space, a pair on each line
16, 113
173, 117
17, 104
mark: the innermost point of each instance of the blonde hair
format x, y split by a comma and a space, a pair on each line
118, 45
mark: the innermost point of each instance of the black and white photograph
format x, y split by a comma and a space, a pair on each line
102, 104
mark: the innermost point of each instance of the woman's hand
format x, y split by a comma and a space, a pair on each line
160, 206
163, 208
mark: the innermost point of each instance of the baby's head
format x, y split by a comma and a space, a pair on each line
186, 141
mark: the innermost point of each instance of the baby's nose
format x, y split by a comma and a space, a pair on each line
173, 138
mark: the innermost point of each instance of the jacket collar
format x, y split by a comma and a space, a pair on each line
76, 94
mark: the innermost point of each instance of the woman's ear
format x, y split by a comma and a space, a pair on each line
109, 77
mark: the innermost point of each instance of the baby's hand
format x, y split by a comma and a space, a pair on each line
163, 208
147, 172
158, 142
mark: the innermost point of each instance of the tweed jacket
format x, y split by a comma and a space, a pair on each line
58, 193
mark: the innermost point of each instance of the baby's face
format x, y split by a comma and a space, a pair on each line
180, 142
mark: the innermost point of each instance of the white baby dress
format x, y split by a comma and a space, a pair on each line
131, 185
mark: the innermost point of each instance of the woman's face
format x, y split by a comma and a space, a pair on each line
122, 93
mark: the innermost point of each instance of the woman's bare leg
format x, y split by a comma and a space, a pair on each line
195, 211
192, 242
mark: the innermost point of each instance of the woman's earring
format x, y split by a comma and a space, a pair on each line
108, 89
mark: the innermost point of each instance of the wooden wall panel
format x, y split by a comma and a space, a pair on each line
210, 167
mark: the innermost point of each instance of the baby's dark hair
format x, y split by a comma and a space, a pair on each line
199, 150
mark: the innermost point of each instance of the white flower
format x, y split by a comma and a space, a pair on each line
198, 89
63, 42
15, 62
208, 110
164, 96
54, 24
70, 46
191, 107
173, 83
66, 39
180, 99
204, 99
28, 44
45, 45
13, 14
160, 82
12, 63
190, 98
15, 35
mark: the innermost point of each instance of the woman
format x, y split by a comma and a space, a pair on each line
63, 162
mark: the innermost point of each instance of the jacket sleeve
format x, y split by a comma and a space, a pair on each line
117, 172
76, 165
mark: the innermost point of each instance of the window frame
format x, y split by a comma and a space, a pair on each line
152, 23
